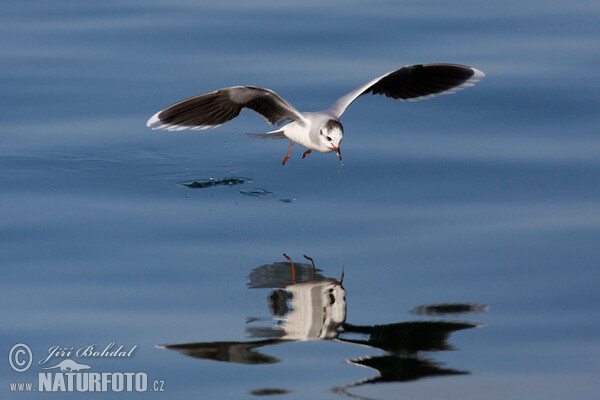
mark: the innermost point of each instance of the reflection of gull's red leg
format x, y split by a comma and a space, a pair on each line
291, 262
311, 260
307, 152
288, 154
340, 281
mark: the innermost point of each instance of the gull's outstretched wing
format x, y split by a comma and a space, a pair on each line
414, 82
212, 109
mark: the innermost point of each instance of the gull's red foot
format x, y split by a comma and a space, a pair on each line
288, 156
310, 259
290, 260
307, 152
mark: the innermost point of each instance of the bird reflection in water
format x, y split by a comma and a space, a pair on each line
306, 305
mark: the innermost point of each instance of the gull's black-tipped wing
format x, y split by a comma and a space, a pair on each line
212, 109
414, 82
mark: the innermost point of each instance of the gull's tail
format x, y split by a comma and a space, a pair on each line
278, 134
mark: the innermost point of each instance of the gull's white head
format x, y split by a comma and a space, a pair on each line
331, 134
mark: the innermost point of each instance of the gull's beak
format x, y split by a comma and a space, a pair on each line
337, 150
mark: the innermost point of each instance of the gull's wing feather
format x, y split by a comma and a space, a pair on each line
414, 82
212, 109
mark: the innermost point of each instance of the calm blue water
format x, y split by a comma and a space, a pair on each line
467, 227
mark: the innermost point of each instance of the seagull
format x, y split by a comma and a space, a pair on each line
322, 130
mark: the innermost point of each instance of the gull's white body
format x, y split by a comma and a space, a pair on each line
306, 132
320, 131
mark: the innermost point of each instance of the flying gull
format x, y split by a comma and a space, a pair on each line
322, 130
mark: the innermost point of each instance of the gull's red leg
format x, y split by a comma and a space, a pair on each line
291, 262
307, 152
311, 260
288, 154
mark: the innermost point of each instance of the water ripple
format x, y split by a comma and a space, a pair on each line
262, 193
212, 182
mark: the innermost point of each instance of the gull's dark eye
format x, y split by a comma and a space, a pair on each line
328, 138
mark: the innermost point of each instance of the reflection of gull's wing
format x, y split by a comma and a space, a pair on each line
450, 309
392, 368
414, 82
279, 275
402, 341
238, 352
212, 109
406, 337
